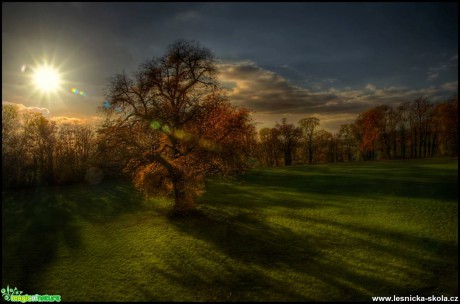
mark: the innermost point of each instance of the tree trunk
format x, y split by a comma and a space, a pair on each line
183, 204
433, 144
403, 144
287, 158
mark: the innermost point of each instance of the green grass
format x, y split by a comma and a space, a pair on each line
308, 233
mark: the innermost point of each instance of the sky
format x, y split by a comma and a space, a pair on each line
292, 60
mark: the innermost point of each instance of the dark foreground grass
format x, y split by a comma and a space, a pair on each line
312, 233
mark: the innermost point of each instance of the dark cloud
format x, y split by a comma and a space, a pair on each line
450, 86
267, 92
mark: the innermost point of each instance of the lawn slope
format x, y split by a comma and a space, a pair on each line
304, 233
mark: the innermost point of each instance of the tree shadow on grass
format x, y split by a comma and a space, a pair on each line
262, 256
30, 239
36, 222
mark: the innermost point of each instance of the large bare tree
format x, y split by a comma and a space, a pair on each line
171, 125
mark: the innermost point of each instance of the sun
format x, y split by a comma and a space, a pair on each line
47, 79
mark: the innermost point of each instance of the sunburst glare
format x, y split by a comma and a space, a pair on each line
47, 79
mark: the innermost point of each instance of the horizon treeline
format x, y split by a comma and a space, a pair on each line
38, 151
417, 129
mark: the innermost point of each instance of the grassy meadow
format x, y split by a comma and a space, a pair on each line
331, 232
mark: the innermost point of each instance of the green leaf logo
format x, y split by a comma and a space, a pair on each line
8, 292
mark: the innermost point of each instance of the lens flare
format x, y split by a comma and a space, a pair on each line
208, 145
165, 129
183, 135
155, 125
78, 92
179, 134
107, 105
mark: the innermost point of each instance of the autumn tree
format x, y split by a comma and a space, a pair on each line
366, 131
288, 137
40, 134
269, 147
420, 108
347, 139
383, 116
403, 127
73, 151
12, 147
171, 125
37, 150
447, 122
308, 126
323, 146
336, 148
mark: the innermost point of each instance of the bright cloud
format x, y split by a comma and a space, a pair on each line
91, 120
23, 108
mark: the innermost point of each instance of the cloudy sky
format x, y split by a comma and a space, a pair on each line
292, 60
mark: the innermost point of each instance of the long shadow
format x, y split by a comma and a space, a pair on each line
233, 221
262, 247
251, 242
36, 222
433, 249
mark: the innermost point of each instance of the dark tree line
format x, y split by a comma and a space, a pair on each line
417, 129
38, 151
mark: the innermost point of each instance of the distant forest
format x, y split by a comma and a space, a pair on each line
417, 129
39, 151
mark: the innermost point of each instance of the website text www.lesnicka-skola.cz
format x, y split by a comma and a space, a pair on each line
415, 298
